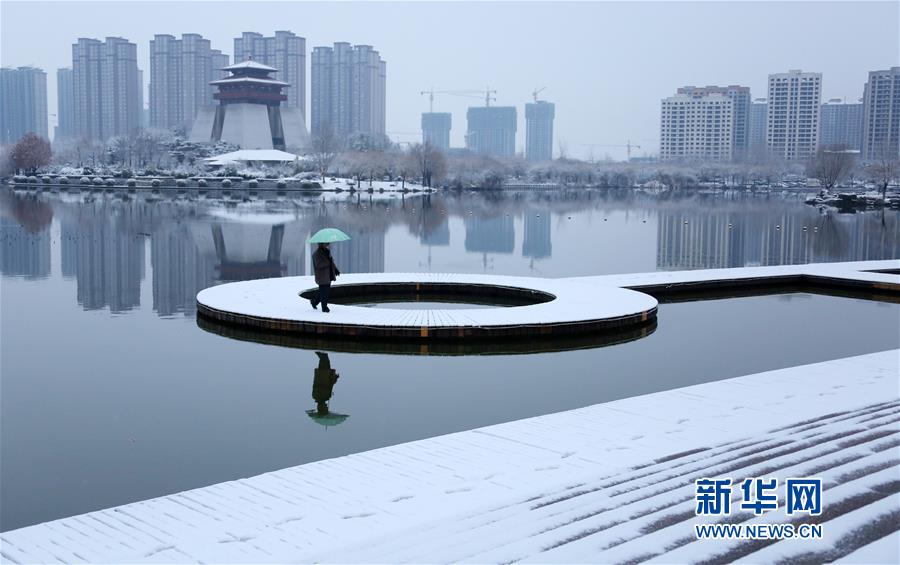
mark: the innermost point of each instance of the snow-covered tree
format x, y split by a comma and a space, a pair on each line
429, 160
31, 153
831, 165
324, 148
883, 169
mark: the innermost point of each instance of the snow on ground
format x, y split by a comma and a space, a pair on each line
606, 483
333, 183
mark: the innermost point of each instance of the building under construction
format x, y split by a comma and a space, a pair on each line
436, 129
492, 130
539, 130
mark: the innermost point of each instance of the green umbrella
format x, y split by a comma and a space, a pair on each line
328, 235
330, 419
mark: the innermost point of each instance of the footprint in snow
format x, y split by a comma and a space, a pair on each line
364, 515
399, 498
456, 490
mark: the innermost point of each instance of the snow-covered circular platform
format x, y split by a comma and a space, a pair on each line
553, 307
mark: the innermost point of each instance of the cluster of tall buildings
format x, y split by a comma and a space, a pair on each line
102, 94
491, 130
348, 90
723, 123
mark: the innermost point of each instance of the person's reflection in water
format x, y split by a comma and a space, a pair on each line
324, 378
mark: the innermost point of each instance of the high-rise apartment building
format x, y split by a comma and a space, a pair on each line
218, 62
23, 103
841, 123
740, 112
180, 73
348, 88
881, 119
539, 130
65, 105
107, 89
697, 127
284, 51
756, 130
436, 129
792, 118
492, 130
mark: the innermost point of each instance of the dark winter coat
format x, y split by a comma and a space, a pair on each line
324, 378
324, 267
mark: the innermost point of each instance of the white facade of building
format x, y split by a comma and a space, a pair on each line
881, 119
792, 120
697, 128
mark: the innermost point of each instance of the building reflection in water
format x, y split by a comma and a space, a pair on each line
103, 248
102, 241
490, 234
25, 236
435, 233
187, 259
433, 227
180, 270
536, 243
23, 253
710, 239
364, 252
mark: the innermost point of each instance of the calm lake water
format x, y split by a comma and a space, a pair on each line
111, 393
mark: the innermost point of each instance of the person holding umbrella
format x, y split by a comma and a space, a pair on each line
323, 264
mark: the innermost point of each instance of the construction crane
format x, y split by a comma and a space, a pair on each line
628, 147
468, 93
538, 91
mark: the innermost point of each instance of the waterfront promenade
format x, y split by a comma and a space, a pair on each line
606, 483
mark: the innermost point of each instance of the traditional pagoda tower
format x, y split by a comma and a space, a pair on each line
249, 113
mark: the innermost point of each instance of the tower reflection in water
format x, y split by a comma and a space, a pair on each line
324, 379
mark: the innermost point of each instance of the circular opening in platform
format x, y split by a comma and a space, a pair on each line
424, 296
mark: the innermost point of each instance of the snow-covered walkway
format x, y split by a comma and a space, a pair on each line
572, 305
605, 483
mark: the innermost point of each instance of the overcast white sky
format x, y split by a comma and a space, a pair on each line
605, 65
